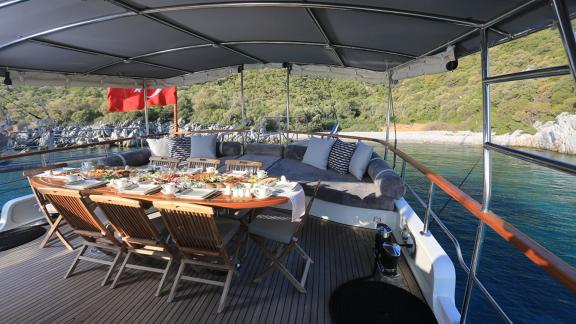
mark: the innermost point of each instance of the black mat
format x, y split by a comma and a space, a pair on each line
18, 236
363, 301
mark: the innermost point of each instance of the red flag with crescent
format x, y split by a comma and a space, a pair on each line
129, 99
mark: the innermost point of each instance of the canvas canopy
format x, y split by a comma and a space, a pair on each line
177, 42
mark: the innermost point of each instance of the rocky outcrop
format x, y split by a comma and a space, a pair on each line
558, 135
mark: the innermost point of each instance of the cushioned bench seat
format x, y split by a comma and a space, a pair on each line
378, 189
336, 188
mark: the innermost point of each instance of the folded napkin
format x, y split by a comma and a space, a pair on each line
298, 200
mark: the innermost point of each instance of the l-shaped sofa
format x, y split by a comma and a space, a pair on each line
378, 189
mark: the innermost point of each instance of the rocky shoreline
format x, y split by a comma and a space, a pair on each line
558, 135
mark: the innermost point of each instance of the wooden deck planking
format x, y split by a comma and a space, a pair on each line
34, 288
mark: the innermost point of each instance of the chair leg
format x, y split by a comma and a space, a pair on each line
175, 284
164, 275
75, 262
274, 259
112, 267
225, 291
121, 270
54, 230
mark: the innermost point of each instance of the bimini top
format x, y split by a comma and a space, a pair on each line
163, 40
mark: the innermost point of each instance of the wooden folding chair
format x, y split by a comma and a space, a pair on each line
275, 225
50, 214
129, 219
243, 165
202, 242
203, 163
167, 162
75, 210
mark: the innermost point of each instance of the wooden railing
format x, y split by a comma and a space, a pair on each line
539, 255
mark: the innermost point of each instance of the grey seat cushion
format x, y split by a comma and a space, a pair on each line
134, 158
273, 225
229, 149
295, 152
227, 228
388, 182
265, 149
337, 188
266, 160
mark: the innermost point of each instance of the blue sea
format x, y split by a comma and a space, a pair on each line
538, 201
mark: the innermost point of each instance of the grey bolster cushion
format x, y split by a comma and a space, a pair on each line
386, 179
295, 152
229, 149
265, 149
134, 158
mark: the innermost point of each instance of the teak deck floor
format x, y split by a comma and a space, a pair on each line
33, 288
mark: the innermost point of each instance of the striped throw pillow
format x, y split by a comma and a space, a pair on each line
340, 155
179, 147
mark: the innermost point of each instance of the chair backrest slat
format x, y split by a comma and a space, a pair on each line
192, 227
128, 218
168, 162
74, 209
34, 172
243, 165
203, 163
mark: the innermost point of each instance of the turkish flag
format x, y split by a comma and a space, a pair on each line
162, 97
124, 99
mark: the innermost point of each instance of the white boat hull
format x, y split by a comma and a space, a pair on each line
19, 212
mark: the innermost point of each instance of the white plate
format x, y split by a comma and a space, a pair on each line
85, 184
196, 193
141, 189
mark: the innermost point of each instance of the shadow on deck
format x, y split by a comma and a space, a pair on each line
33, 288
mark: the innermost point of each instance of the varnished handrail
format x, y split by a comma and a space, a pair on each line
210, 131
539, 255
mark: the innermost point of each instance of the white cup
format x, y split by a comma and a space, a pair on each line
261, 192
120, 183
227, 191
283, 179
261, 174
210, 169
246, 193
169, 188
236, 192
72, 178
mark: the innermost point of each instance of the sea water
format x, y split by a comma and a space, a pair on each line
538, 201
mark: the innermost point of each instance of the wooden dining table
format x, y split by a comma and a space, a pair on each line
220, 201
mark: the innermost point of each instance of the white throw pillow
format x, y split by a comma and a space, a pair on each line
159, 147
318, 151
360, 160
203, 146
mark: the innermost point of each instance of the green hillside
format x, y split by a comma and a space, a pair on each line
444, 101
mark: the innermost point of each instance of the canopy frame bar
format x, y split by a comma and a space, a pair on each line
315, 5
93, 52
327, 41
183, 29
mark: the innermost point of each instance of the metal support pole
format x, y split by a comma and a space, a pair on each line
242, 113
288, 69
403, 172
487, 192
146, 108
566, 33
426, 230
388, 114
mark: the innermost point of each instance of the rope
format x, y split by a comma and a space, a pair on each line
459, 186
